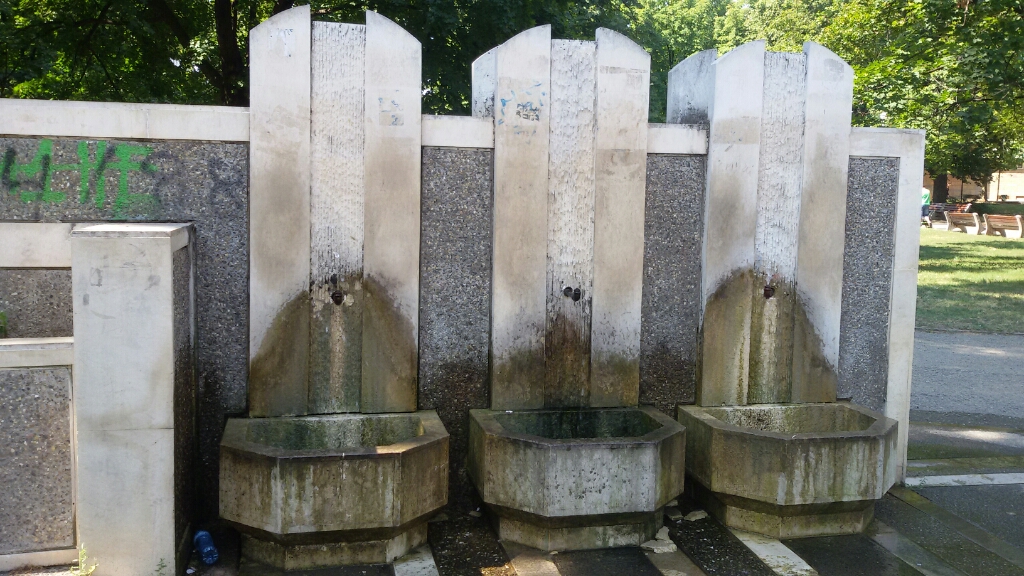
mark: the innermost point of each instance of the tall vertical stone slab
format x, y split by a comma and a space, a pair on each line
134, 394
483, 84
570, 207
819, 276
391, 225
519, 273
729, 94
279, 152
780, 177
336, 217
623, 93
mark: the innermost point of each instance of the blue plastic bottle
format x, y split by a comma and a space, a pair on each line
204, 545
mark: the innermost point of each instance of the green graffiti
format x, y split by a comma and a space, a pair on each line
92, 167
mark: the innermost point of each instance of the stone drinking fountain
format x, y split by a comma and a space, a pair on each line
334, 464
565, 458
769, 449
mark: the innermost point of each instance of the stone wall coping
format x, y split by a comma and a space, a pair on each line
677, 139
43, 558
178, 233
35, 245
36, 352
115, 120
457, 131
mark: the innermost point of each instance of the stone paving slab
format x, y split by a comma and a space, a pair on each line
968, 372
943, 540
998, 510
856, 555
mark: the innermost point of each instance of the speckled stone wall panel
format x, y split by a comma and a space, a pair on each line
36, 511
673, 228
455, 288
37, 302
867, 280
58, 179
184, 394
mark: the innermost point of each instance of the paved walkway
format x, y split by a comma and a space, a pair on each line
968, 373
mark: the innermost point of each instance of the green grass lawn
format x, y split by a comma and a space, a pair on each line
970, 282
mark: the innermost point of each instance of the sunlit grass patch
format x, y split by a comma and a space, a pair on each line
970, 282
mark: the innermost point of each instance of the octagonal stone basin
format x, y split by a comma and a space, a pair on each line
317, 491
790, 470
577, 479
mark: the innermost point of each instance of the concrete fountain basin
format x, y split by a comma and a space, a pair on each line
577, 479
790, 470
317, 491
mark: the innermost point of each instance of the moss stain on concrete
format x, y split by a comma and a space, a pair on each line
336, 344
389, 354
724, 349
815, 379
771, 340
516, 380
567, 361
278, 371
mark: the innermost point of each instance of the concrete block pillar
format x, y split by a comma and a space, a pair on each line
134, 394
778, 154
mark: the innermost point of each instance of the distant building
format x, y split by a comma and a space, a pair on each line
1009, 184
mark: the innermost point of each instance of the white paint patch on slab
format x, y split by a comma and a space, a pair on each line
623, 93
391, 226
965, 480
519, 272
775, 554
419, 562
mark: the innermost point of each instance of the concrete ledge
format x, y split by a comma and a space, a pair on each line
884, 142
35, 245
45, 558
178, 233
677, 139
457, 131
123, 121
35, 352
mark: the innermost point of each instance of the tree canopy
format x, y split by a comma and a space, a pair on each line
952, 67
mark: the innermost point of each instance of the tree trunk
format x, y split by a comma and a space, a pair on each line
940, 191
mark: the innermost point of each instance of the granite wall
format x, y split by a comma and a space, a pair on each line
36, 510
36, 302
455, 295
71, 180
673, 229
184, 396
867, 280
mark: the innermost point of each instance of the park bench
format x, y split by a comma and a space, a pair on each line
968, 222
937, 212
1007, 226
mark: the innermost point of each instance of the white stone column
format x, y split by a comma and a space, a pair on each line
819, 271
623, 95
908, 146
521, 122
391, 220
279, 229
728, 94
133, 393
